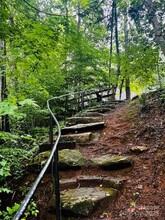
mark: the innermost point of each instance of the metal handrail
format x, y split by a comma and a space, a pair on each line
53, 154
29, 195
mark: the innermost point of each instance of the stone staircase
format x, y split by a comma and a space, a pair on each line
82, 194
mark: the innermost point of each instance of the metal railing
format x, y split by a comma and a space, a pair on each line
80, 100
53, 154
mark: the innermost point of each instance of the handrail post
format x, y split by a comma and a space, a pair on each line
55, 172
66, 108
51, 131
57, 185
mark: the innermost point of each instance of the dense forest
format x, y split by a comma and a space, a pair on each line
52, 47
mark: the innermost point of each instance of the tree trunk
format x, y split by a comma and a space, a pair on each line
3, 96
117, 40
127, 88
127, 80
157, 26
110, 51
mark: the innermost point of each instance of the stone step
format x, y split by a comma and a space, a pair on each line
90, 114
92, 181
83, 120
73, 159
116, 102
82, 201
79, 128
61, 145
112, 162
104, 107
80, 137
100, 109
68, 159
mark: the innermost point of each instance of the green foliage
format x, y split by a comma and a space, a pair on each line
4, 173
10, 211
17, 151
7, 108
31, 210
4, 169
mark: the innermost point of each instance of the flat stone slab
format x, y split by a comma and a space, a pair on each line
83, 120
112, 162
67, 159
82, 128
71, 159
90, 114
92, 181
80, 137
61, 145
100, 109
82, 201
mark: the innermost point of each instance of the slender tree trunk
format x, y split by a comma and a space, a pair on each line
111, 43
127, 80
117, 50
3, 96
110, 52
121, 87
80, 80
117, 41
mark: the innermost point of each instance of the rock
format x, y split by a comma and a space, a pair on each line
105, 182
82, 128
82, 201
61, 145
65, 142
81, 137
99, 109
139, 149
83, 120
112, 162
91, 181
38, 161
90, 114
71, 159
67, 159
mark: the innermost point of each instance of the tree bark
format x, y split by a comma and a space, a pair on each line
157, 26
3, 96
117, 40
127, 80
110, 50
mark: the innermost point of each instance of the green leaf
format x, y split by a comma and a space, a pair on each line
28, 102
5, 190
7, 108
133, 204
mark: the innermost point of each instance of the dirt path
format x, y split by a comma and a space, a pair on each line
143, 195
